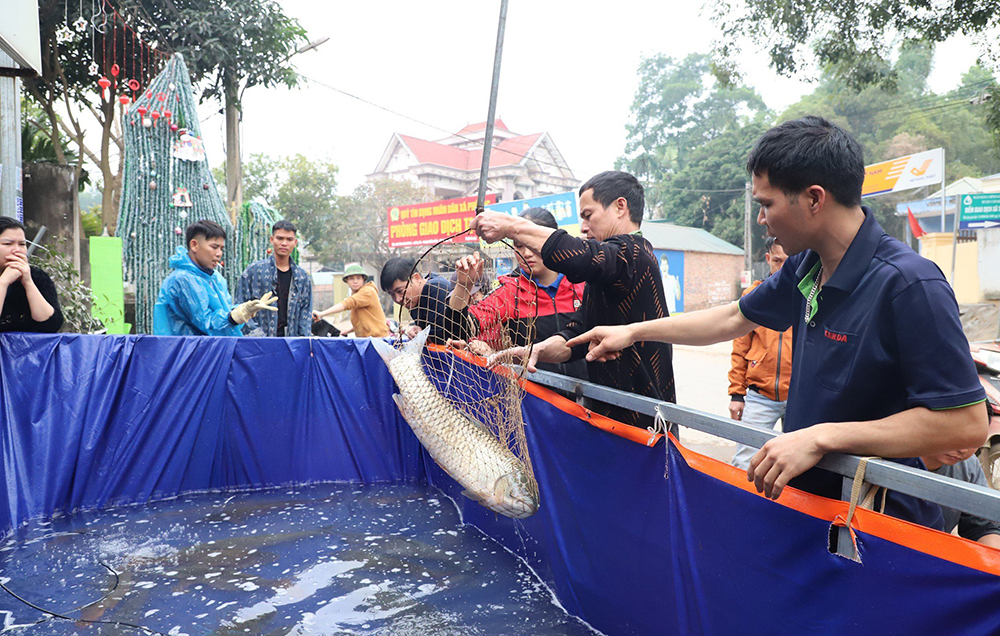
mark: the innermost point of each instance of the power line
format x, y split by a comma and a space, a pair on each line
479, 141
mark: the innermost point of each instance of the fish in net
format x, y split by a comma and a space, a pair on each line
466, 412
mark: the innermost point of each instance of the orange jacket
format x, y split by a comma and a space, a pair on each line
761, 359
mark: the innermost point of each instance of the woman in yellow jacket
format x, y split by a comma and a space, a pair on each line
367, 317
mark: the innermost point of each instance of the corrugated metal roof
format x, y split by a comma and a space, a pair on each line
667, 236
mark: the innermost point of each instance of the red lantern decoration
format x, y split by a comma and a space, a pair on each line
167, 113
155, 115
149, 94
115, 70
161, 96
104, 83
142, 111
173, 127
124, 99
133, 85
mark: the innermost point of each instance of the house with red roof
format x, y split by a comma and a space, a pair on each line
521, 166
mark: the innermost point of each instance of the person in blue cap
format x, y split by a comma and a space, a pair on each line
194, 299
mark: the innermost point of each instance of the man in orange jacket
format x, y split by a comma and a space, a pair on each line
762, 367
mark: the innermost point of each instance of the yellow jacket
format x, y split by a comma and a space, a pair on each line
367, 316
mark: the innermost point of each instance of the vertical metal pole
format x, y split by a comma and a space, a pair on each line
954, 240
488, 141
10, 140
748, 230
944, 227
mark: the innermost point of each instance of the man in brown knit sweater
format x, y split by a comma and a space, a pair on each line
623, 283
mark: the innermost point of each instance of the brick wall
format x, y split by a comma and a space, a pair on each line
710, 279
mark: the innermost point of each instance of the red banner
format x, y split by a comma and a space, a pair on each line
428, 223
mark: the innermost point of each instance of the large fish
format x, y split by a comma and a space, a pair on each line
488, 471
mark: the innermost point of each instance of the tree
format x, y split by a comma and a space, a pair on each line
688, 139
677, 107
365, 211
307, 196
229, 47
708, 191
906, 118
853, 40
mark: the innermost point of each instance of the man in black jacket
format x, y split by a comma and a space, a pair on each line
623, 283
28, 299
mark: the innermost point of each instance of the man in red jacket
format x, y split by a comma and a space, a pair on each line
761, 369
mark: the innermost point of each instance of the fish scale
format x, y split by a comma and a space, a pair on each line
490, 473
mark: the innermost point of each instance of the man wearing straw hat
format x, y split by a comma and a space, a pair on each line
367, 317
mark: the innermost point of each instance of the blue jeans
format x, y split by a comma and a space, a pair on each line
759, 411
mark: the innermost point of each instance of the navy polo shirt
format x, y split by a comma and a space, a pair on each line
883, 336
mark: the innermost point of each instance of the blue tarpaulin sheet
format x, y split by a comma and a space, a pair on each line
634, 539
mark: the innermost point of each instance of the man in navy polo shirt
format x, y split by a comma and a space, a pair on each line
881, 364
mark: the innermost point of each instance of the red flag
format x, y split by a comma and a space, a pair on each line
914, 226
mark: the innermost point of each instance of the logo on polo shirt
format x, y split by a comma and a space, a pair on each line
836, 337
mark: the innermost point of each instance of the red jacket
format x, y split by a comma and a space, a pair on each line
525, 313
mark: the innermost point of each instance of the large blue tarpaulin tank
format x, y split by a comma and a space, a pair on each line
636, 535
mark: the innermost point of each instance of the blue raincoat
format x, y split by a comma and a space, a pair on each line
193, 302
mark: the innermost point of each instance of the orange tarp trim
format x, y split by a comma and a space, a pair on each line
916, 537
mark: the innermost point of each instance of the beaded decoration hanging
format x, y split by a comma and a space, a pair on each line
150, 221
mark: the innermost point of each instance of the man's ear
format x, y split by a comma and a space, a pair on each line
621, 207
816, 197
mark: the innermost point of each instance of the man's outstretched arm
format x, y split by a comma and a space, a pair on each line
704, 327
911, 433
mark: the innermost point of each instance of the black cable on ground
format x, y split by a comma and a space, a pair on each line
64, 617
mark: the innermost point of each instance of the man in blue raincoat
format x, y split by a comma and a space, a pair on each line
194, 299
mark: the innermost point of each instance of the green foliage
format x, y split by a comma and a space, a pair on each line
91, 221
245, 42
74, 295
365, 213
852, 41
907, 118
303, 190
688, 138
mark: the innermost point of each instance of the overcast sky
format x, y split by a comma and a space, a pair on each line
569, 69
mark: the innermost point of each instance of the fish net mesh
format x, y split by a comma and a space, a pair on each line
499, 314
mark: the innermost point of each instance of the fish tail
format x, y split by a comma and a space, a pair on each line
388, 352
416, 346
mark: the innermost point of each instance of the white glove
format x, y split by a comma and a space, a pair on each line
245, 311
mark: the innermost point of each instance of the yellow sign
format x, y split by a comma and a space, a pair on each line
904, 173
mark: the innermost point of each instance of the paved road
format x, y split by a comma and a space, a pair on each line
702, 383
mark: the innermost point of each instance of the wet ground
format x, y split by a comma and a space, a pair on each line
326, 559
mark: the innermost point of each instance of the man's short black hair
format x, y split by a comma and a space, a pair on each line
9, 223
396, 268
609, 185
810, 151
540, 216
205, 229
288, 226
769, 244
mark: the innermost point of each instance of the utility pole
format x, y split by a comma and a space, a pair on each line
748, 234
11, 203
